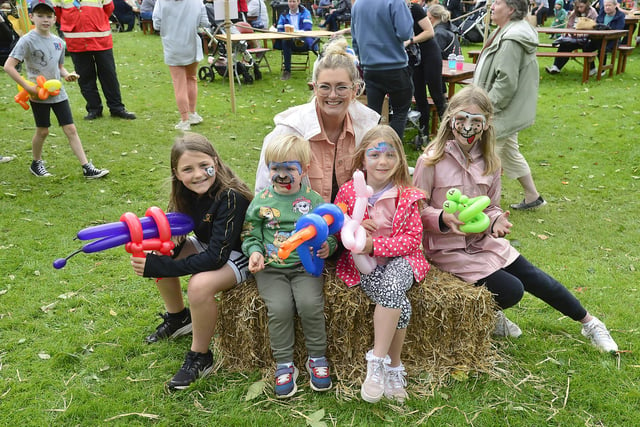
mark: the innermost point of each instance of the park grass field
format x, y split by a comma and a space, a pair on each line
71, 340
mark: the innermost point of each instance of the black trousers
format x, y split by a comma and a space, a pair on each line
508, 286
94, 66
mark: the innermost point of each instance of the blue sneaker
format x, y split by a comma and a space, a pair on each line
286, 377
319, 374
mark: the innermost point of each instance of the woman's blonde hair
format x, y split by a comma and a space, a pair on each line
439, 12
469, 95
387, 134
181, 198
334, 57
288, 148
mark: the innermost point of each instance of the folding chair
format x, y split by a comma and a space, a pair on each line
259, 53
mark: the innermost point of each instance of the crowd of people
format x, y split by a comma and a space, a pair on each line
311, 157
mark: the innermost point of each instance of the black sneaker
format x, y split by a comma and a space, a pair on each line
91, 172
123, 114
173, 326
37, 168
196, 365
92, 115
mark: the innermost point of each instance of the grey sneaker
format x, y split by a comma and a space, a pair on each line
395, 383
196, 365
173, 326
6, 159
599, 335
505, 327
523, 205
91, 172
373, 386
37, 168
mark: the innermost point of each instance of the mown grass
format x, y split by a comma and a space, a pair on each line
71, 340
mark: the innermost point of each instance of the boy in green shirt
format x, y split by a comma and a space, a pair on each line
283, 284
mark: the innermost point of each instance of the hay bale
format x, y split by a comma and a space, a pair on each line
450, 329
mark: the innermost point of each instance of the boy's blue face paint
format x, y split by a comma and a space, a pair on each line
282, 172
380, 148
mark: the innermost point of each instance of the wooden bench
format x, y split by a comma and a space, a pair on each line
147, 26
589, 58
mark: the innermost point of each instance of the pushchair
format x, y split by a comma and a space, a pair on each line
471, 29
243, 61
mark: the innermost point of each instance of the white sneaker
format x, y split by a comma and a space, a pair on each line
195, 119
593, 72
599, 335
373, 386
183, 125
505, 327
552, 70
395, 383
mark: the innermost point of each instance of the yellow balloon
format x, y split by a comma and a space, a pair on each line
52, 85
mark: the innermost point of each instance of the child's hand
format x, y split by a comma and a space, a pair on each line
72, 77
502, 226
369, 225
138, 265
323, 252
453, 223
256, 262
368, 245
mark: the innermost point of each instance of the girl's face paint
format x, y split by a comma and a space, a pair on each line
468, 126
286, 176
196, 171
380, 162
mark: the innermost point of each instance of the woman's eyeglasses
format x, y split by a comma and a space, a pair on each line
342, 91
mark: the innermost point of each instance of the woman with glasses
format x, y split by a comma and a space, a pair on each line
334, 122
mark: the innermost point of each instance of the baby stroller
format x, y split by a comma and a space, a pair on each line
471, 29
421, 140
243, 61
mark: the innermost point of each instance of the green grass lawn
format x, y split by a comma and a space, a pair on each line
71, 340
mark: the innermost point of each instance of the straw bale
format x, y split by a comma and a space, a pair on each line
450, 329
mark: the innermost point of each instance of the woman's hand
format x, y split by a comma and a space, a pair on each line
502, 226
138, 265
256, 262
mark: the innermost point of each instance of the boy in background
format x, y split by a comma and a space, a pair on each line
43, 55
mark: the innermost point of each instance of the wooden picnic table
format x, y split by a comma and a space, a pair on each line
453, 77
605, 36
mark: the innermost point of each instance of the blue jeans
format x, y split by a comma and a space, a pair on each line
398, 85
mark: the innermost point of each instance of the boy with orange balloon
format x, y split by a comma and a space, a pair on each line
43, 55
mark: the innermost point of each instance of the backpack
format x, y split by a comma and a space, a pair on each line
8, 39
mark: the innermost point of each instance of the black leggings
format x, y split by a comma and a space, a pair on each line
509, 283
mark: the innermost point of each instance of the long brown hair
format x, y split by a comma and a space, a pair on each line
181, 197
387, 134
470, 95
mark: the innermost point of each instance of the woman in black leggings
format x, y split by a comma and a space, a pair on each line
428, 73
